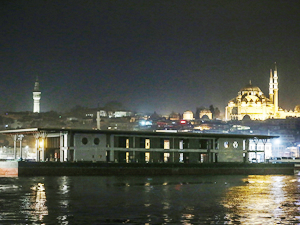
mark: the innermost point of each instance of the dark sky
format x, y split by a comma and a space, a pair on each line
150, 55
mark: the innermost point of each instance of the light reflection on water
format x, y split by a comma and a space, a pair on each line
150, 200
264, 200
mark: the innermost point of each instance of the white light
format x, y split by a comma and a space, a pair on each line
148, 123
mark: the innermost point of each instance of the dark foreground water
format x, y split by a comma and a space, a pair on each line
150, 200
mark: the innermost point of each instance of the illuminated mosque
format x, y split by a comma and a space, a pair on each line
251, 103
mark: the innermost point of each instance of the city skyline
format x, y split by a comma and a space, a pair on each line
152, 56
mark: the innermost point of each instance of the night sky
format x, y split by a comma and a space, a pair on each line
158, 56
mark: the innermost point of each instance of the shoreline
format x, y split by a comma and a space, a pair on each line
20, 168
153, 169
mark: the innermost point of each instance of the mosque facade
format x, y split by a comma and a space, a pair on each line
251, 103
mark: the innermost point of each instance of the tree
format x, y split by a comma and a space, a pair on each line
198, 110
217, 113
212, 110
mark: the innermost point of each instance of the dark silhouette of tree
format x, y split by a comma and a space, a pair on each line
217, 113
212, 110
198, 110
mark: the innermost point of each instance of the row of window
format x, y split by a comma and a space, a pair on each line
123, 142
166, 143
166, 157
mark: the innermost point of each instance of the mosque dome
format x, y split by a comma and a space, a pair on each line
297, 108
205, 111
250, 87
188, 115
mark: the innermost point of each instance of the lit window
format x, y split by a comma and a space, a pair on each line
147, 143
235, 144
180, 157
147, 156
181, 144
226, 144
166, 144
127, 157
127, 143
166, 157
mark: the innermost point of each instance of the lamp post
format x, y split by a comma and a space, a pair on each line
15, 146
20, 138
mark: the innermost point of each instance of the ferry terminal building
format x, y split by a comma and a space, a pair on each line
75, 145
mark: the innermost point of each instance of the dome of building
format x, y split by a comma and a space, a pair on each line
205, 114
297, 108
205, 111
188, 115
250, 87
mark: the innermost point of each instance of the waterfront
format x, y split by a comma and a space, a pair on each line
232, 199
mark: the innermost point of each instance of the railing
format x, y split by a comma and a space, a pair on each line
284, 160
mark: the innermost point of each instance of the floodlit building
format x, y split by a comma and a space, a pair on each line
205, 114
134, 146
188, 115
251, 103
36, 96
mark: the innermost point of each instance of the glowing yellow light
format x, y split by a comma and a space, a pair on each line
41, 143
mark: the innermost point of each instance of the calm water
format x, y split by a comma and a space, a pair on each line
150, 200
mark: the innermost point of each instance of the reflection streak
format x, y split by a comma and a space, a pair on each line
263, 198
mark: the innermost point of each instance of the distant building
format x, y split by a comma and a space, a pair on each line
36, 96
188, 115
251, 103
174, 116
205, 114
122, 113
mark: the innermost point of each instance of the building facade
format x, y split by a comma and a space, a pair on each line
136, 146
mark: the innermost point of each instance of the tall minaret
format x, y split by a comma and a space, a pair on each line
275, 89
36, 96
271, 93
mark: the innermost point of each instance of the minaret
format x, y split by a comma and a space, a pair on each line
275, 89
271, 93
36, 96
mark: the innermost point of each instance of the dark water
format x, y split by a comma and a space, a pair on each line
150, 200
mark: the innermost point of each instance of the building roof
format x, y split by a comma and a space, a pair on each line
141, 133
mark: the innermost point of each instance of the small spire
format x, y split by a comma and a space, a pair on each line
275, 66
250, 82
